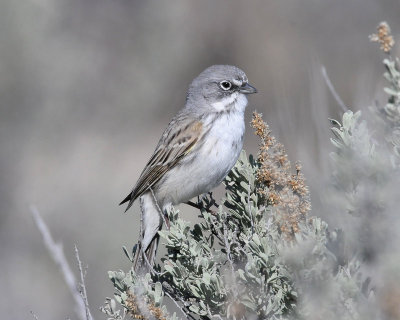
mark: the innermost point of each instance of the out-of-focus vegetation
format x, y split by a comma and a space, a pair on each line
87, 88
259, 255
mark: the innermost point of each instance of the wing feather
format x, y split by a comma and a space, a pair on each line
174, 145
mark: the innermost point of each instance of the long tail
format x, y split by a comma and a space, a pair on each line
151, 223
143, 260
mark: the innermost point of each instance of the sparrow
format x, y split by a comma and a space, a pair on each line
198, 148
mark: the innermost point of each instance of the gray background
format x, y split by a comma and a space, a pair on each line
87, 87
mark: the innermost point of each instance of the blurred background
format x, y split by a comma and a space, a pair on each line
87, 88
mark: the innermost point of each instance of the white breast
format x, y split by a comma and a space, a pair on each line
224, 143
212, 161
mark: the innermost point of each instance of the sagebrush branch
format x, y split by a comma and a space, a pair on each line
57, 254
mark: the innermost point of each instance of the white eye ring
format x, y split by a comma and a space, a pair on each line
225, 85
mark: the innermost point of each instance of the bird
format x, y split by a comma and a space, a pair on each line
197, 150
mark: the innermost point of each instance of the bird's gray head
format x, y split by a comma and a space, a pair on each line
219, 88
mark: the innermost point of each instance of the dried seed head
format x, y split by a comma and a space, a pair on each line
286, 192
384, 37
132, 304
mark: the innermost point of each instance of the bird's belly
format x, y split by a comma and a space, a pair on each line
205, 167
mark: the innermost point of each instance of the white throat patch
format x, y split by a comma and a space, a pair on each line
239, 100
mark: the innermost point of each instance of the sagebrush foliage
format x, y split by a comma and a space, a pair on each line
228, 265
257, 254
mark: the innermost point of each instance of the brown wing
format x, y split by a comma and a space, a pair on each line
177, 141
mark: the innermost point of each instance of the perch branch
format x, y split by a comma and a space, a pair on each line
82, 286
56, 252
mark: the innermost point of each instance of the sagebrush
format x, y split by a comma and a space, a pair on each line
258, 253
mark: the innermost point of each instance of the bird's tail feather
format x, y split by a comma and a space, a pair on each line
129, 198
151, 223
143, 260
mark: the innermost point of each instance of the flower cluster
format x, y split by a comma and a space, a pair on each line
133, 309
256, 253
383, 37
285, 191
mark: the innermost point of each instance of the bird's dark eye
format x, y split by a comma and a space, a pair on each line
225, 85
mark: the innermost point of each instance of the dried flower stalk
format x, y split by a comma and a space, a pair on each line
285, 191
383, 37
134, 311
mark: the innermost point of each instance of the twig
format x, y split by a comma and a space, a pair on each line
229, 255
228, 249
214, 228
194, 205
177, 304
169, 292
211, 315
209, 312
159, 209
332, 90
56, 252
249, 208
83, 286
212, 201
149, 265
201, 207
139, 253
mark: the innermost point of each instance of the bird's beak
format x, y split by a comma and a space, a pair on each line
247, 89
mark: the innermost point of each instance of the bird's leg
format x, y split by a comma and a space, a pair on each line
212, 201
